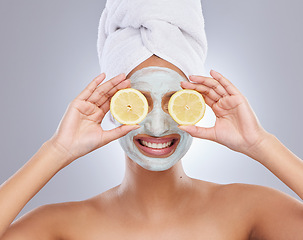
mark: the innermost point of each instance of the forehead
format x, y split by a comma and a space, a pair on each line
156, 80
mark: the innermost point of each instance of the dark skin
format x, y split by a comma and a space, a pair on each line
168, 204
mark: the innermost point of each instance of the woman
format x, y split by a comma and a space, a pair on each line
158, 204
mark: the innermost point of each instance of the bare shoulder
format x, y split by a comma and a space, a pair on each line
52, 221
252, 211
258, 196
272, 214
242, 197
246, 192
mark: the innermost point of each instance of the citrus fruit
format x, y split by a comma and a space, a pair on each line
186, 107
129, 106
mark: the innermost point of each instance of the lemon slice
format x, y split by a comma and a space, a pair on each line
129, 106
186, 107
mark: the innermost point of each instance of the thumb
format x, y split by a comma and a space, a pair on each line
200, 132
118, 132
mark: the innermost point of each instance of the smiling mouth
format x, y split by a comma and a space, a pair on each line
157, 147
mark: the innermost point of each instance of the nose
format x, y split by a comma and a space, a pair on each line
157, 123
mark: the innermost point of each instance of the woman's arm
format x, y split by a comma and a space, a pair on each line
79, 133
277, 158
17, 191
276, 215
238, 128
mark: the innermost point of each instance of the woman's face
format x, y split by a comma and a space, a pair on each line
158, 144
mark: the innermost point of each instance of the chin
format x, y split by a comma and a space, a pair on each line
157, 166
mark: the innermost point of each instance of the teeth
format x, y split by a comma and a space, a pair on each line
157, 145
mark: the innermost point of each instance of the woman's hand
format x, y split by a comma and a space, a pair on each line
236, 126
80, 130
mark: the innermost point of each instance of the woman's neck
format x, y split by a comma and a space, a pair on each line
150, 191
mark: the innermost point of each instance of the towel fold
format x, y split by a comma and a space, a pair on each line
130, 31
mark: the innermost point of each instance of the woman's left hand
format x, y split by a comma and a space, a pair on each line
236, 126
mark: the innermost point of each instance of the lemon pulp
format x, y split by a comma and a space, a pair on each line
129, 106
186, 107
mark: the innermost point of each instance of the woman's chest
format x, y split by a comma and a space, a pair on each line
177, 228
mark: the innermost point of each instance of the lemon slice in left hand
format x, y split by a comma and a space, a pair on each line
186, 107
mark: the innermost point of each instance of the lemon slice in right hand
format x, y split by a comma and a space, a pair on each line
129, 106
186, 107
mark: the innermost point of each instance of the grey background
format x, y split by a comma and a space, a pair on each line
48, 55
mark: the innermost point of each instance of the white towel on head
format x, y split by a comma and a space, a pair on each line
130, 31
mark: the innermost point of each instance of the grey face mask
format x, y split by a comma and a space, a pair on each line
157, 81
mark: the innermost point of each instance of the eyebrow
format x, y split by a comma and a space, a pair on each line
146, 94
169, 94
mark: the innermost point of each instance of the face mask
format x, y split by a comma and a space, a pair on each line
159, 143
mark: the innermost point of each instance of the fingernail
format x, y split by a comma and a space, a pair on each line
136, 127
182, 127
130, 128
100, 75
193, 76
121, 75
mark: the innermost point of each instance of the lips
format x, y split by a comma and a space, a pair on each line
157, 147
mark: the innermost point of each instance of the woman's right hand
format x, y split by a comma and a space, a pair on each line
80, 130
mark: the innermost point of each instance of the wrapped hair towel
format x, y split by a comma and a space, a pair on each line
131, 31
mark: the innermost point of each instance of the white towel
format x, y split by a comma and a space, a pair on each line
130, 31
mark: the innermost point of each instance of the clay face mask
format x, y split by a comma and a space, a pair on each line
159, 143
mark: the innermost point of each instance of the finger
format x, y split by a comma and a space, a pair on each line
87, 92
84, 107
122, 85
207, 99
104, 108
103, 89
211, 83
98, 115
204, 90
229, 87
200, 132
118, 132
